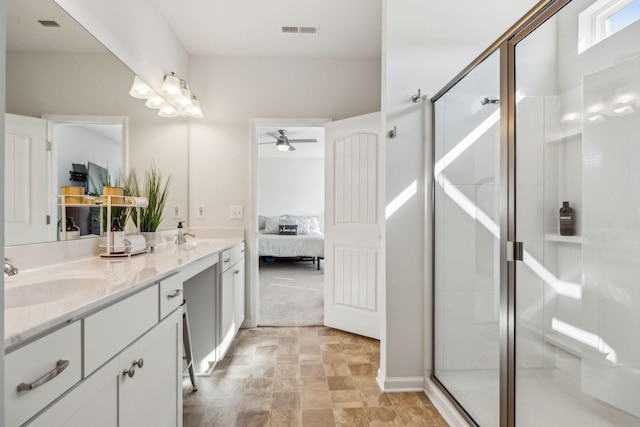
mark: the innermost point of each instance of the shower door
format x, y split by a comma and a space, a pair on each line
466, 248
577, 299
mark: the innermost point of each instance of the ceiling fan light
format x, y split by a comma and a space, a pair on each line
283, 146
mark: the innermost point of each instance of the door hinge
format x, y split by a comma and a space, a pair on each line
49, 148
515, 251
48, 219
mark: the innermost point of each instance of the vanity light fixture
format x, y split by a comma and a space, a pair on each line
174, 98
140, 89
171, 85
168, 111
156, 102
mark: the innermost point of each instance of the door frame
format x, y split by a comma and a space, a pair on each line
251, 236
52, 156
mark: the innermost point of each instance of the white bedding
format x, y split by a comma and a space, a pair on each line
308, 245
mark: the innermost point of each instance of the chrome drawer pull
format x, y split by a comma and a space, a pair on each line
61, 365
177, 293
131, 372
139, 363
227, 260
236, 272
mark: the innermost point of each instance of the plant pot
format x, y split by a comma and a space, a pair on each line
150, 237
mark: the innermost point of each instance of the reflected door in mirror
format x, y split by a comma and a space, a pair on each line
26, 188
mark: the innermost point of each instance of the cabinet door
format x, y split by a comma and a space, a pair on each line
93, 403
152, 396
227, 328
238, 294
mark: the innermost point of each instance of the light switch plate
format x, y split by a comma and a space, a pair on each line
201, 211
236, 212
177, 211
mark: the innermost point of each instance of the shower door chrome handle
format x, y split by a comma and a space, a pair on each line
515, 251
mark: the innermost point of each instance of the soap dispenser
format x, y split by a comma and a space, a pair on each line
117, 237
73, 231
180, 235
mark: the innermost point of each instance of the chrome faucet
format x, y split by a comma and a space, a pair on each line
181, 237
9, 268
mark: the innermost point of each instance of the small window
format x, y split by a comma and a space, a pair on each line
625, 16
604, 18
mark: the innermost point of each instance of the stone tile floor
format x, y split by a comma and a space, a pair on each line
301, 376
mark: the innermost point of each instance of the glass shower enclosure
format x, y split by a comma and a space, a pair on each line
537, 309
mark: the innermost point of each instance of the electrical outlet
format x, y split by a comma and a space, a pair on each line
201, 212
177, 211
236, 212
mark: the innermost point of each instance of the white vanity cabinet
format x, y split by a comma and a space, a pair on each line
36, 374
150, 391
132, 363
232, 295
141, 386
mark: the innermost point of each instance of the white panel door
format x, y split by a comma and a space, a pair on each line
353, 224
26, 185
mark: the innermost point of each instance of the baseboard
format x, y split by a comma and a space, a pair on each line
443, 405
400, 384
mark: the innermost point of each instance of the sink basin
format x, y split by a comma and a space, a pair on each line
40, 289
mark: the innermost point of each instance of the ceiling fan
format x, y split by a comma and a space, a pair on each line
283, 143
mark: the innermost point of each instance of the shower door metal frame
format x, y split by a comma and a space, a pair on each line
506, 44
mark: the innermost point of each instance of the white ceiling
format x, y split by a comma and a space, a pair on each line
26, 34
347, 28
267, 142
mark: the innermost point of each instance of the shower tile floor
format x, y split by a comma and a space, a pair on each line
301, 376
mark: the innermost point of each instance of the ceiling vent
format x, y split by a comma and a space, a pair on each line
288, 29
48, 23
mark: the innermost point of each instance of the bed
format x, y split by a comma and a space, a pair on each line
291, 236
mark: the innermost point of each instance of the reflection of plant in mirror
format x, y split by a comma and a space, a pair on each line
156, 193
106, 180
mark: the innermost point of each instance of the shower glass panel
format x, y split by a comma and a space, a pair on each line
577, 293
466, 253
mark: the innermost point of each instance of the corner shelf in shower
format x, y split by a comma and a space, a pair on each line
563, 239
564, 135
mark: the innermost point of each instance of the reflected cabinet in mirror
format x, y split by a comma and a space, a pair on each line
69, 118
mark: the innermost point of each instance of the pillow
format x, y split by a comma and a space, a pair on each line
304, 222
271, 226
288, 229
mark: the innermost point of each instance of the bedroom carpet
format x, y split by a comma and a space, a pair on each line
291, 294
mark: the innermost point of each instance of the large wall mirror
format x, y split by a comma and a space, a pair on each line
68, 91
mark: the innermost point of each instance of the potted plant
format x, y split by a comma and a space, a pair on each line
153, 188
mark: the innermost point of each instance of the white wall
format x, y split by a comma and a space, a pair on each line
233, 90
78, 144
136, 32
412, 60
291, 186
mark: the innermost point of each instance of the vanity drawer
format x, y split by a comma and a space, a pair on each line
171, 294
231, 256
58, 352
108, 331
237, 253
225, 259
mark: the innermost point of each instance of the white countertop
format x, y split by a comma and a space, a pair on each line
89, 284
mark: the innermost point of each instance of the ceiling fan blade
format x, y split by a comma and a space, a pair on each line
302, 140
